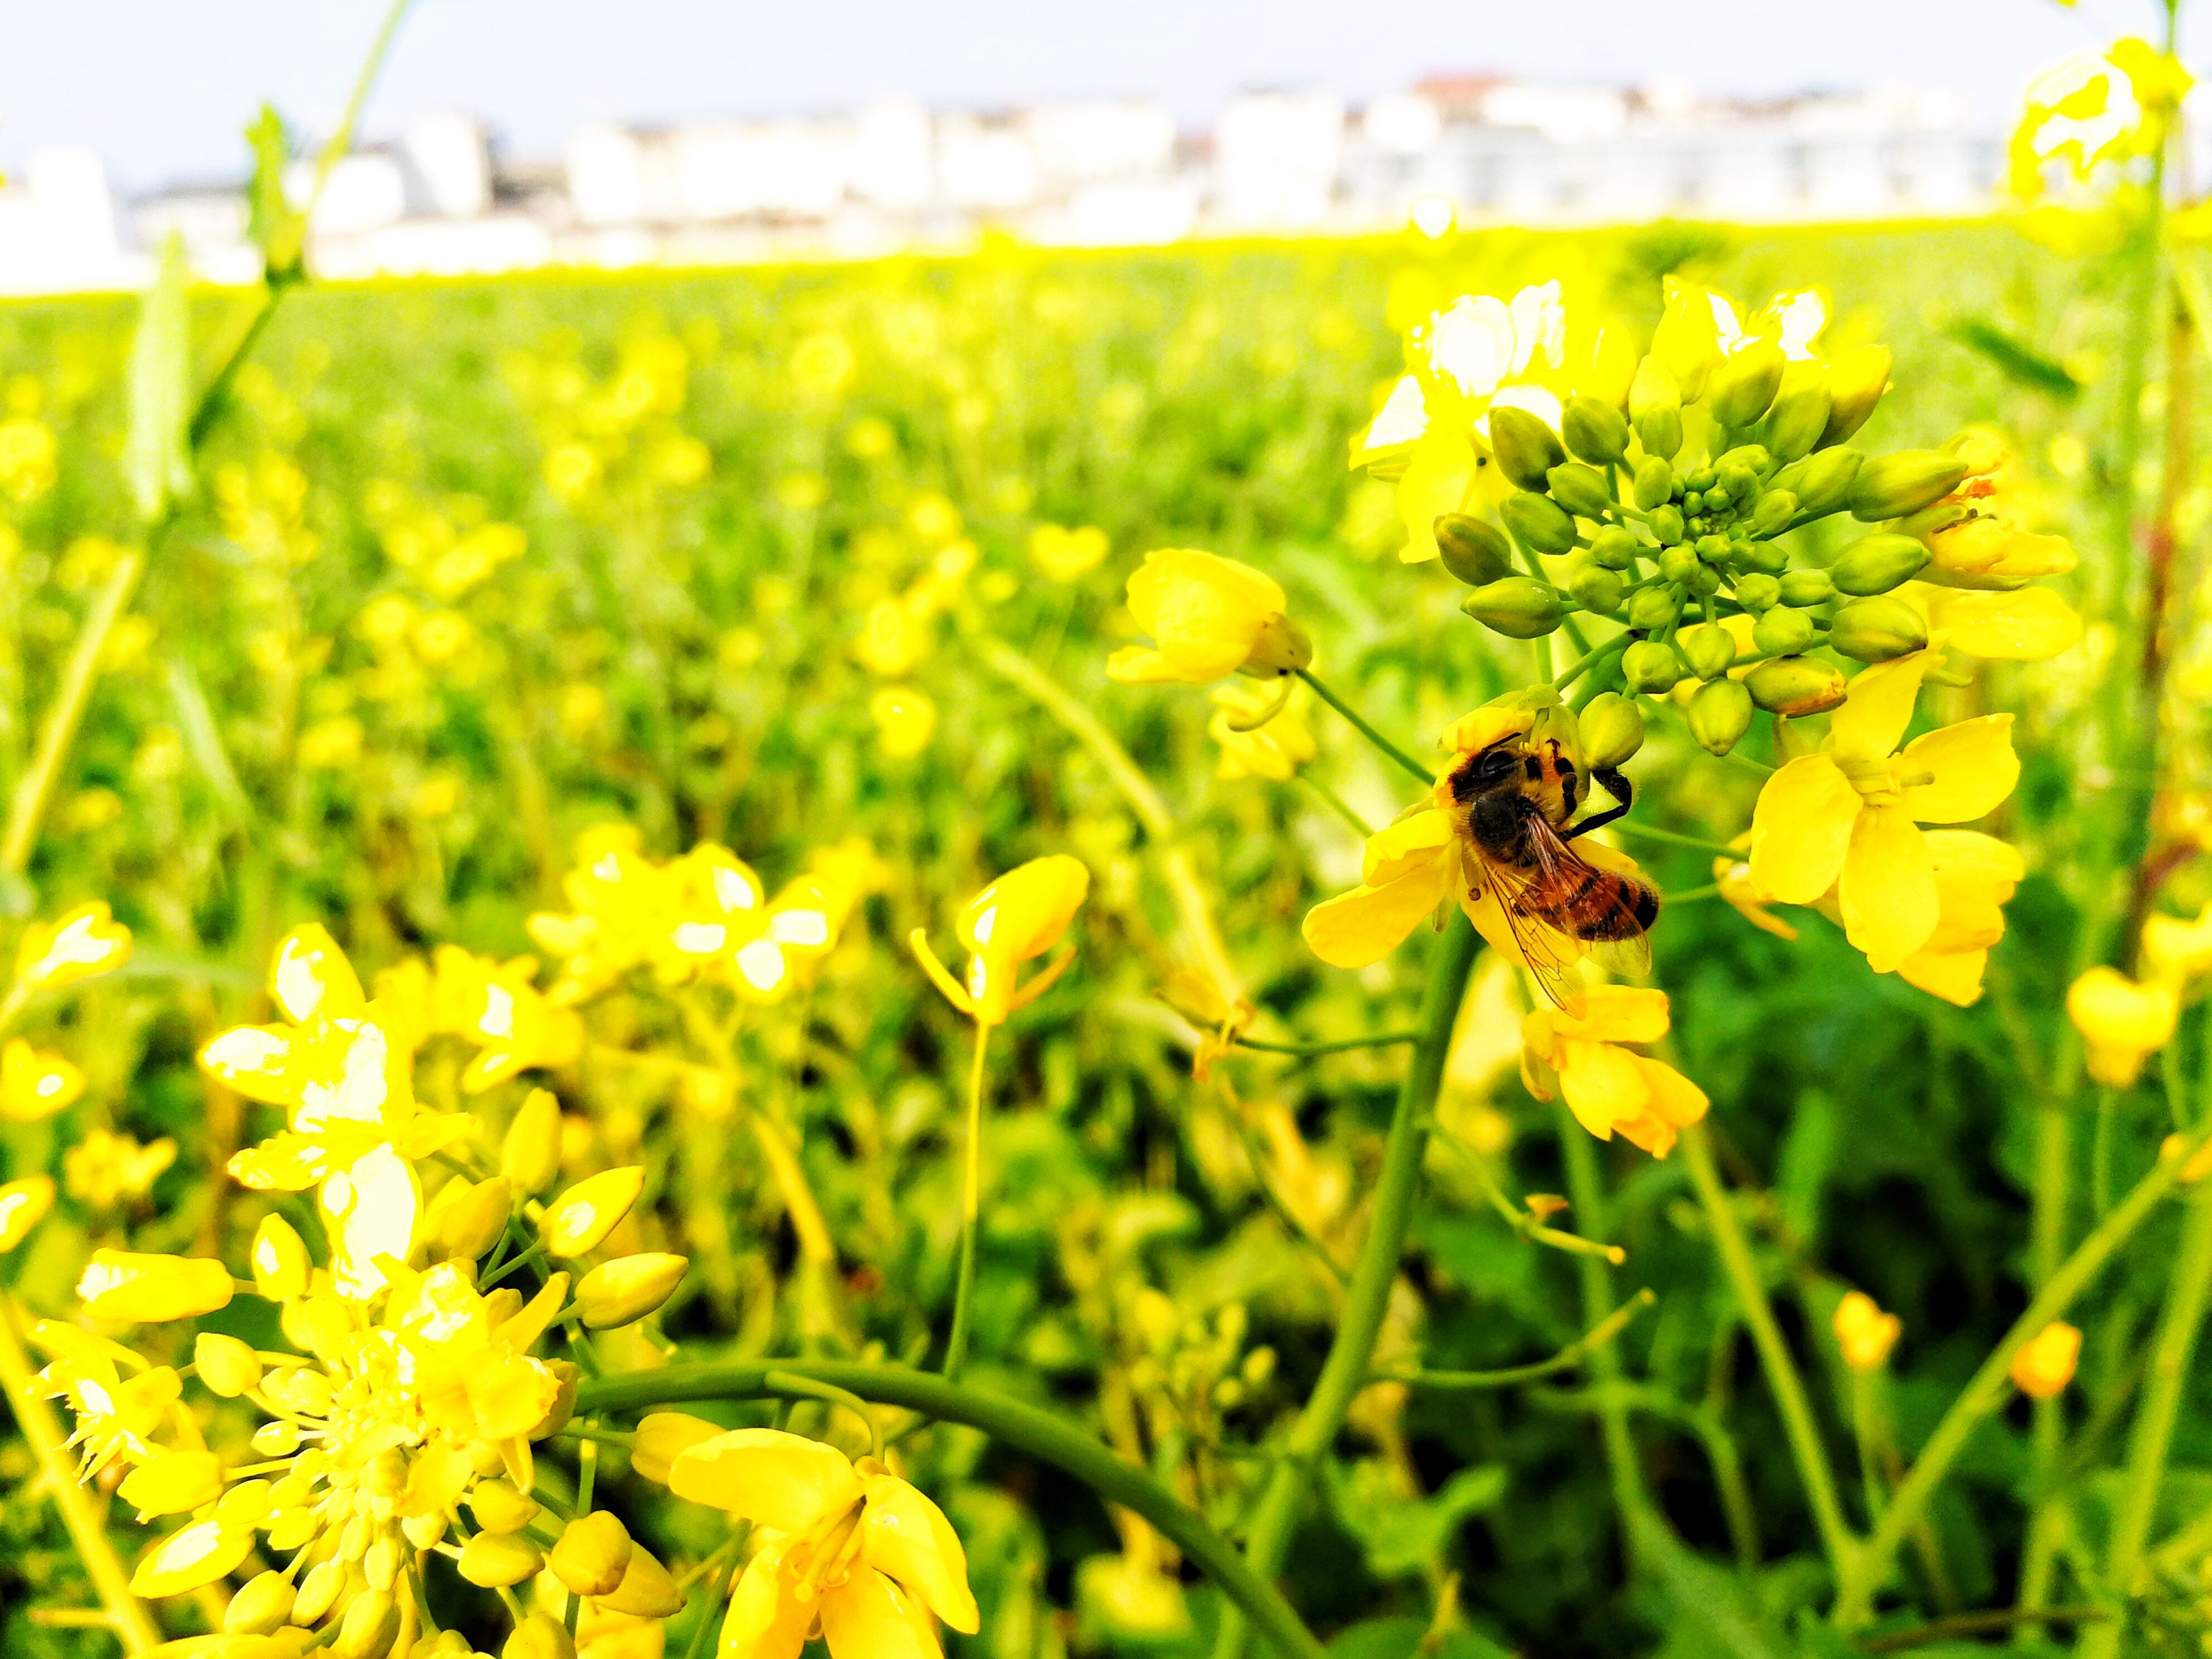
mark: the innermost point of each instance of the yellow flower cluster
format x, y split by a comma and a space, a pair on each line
621, 433
2123, 1021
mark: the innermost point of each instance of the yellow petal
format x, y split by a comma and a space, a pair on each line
870, 1617
1439, 474
661, 1436
1204, 611
764, 1621
1801, 829
1417, 839
1973, 766
1023, 913
23, 1205
1366, 924
257, 1061
284, 1163
172, 1483
2121, 1021
906, 1536
1877, 708
311, 977
780, 1480
1888, 890
1139, 664
2032, 625
86, 941
1618, 1013
187, 1560
1602, 1085
34, 1085
370, 1209
146, 1289
1953, 976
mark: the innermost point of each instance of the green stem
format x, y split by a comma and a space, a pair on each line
806, 1388
1359, 722
1334, 802
1719, 849
2152, 1434
1987, 1389
1566, 1359
1385, 1040
1589, 659
1806, 1447
971, 1210
1042, 1434
1344, 1373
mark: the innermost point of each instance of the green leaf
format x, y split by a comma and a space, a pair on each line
1712, 1612
1402, 1535
156, 460
270, 220
1401, 1637
2019, 361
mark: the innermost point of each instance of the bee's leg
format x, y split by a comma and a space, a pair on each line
1615, 783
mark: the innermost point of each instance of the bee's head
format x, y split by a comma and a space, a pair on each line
1485, 771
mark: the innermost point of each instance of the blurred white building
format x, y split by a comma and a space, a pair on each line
1278, 161
59, 229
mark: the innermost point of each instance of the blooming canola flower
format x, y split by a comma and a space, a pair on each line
1209, 618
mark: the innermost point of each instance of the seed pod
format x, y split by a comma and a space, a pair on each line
227, 1365
592, 1554
1583, 490
1541, 522
1875, 630
1655, 482
1708, 649
497, 1560
1655, 408
1650, 666
539, 1635
1783, 632
1614, 548
1876, 563
1857, 380
1473, 551
1795, 685
1720, 713
1594, 430
645, 1591
530, 1157
1891, 486
1807, 588
580, 1221
1744, 386
631, 1286
1799, 416
263, 1604
1652, 608
1666, 523
471, 1222
1525, 447
1776, 508
1757, 592
1822, 481
1519, 607
1611, 729
499, 1508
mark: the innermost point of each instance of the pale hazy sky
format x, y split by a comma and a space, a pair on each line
162, 88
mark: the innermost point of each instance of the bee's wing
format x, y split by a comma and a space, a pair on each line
1548, 954
1630, 953
1622, 945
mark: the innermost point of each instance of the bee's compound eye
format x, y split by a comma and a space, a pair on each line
1495, 763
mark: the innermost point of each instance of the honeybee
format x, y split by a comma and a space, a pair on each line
1512, 803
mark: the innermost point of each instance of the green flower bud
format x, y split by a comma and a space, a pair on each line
1775, 509
1738, 479
1720, 713
1519, 607
1708, 649
1541, 522
591, 1554
497, 1560
1678, 564
1757, 592
1876, 563
1783, 632
1655, 482
1767, 557
1525, 448
1667, 524
631, 1286
1703, 580
1615, 547
1743, 386
530, 1156
1806, 587
1822, 481
1856, 378
1611, 729
1650, 666
1473, 551
1653, 608
1694, 502
1655, 408
1875, 630
262, 1607
1583, 490
1752, 457
1798, 418
1795, 685
1891, 486
1713, 550
1594, 430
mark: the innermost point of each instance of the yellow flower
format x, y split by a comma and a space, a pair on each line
1274, 748
2179, 951
104, 1168
2032, 624
32, 1084
23, 1205
86, 941
851, 1550
2121, 1022
1974, 536
1733, 876
2043, 1368
494, 1004
1864, 1332
117, 1414
1211, 618
906, 720
27, 458
1015, 920
1975, 876
1580, 1059
1062, 555
1847, 817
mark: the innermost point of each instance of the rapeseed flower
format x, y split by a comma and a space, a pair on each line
1974, 536
1016, 919
33, 1084
1585, 1059
2043, 1368
104, 1168
1848, 816
1260, 736
85, 941
905, 719
1210, 617
23, 1204
1064, 554
2177, 950
850, 1551
1864, 1332
2123, 1022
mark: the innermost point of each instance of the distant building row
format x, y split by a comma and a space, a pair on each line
1105, 173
